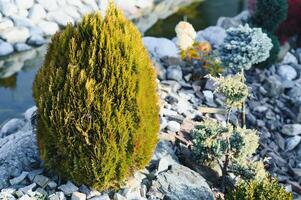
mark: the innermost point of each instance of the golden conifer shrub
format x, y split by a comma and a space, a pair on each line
96, 93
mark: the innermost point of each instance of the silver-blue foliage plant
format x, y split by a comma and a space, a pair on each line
244, 47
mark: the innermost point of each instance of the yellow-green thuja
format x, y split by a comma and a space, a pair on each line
98, 114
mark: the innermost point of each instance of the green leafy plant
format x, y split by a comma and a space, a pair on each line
98, 114
266, 189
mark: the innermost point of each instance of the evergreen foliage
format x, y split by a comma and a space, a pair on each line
230, 146
269, 14
244, 47
98, 114
266, 189
233, 88
273, 52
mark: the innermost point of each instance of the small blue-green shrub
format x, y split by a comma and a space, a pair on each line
244, 47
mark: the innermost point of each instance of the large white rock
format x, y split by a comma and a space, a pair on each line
48, 28
49, 5
174, 72
24, 4
36, 31
36, 13
128, 8
289, 59
36, 40
91, 3
103, 5
77, 3
62, 3
5, 48
19, 47
15, 34
6, 23
84, 9
22, 13
287, 72
173, 126
213, 34
21, 21
72, 12
144, 4
7, 8
160, 47
60, 17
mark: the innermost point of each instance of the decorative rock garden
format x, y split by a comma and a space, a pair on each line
197, 83
28, 24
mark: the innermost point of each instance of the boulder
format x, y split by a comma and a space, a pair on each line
289, 59
19, 47
72, 12
48, 5
48, 28
6, 23
129, 8
213, 34
60, 17
24, 4
180, 183
287, 72
15, 34
36, 13
5, 48
173, 126
174, 72
20, 21
18, 152
160, 47
11, 127
7, 8
163, 149
36, 40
